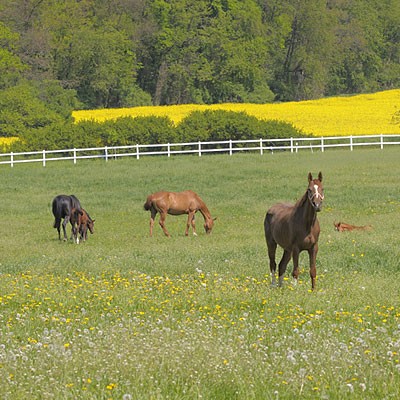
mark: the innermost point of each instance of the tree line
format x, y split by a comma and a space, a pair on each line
56, 56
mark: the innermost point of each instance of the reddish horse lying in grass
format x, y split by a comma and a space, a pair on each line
342, 226
187, 202
295, 228
81, 222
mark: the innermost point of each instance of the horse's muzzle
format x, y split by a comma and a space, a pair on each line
317, 207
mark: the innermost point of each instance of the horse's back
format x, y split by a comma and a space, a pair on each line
176, 201
153, 200
75, 203
57, 204
280, 212
63, 204
277, 224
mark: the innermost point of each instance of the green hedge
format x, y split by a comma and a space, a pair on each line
198, 126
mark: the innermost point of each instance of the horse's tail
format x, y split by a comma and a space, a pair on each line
148, 203
56, 208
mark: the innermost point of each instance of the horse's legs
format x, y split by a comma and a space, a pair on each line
194, 225
313, 261
84, 232
295, 272
272, 263
64, 225
74, 232
282, 265
190, 221
152, 217
57, 224
163, 215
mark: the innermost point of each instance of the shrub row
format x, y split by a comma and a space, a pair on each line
198, 126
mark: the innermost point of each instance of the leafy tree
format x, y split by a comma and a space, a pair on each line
133, 52
21, 110
209, 55
11, 66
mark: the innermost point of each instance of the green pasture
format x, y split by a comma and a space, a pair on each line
126, 316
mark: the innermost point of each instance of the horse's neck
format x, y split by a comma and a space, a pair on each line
204, 211
307, 211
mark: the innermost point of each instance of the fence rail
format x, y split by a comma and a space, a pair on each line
230, 147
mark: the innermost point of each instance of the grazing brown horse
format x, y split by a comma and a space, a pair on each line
295, 228
342, 226
187, 202
81, 222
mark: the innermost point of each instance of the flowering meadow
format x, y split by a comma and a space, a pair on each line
366, 114
126, 316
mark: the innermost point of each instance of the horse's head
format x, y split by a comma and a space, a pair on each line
315, 191
90, 225
209, 224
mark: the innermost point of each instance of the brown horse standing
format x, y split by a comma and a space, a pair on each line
81, 222
187, 202
295, 228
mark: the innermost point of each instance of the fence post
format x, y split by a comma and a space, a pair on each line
261, 147
381, 141
12, 159
74, 155
199, 148
322, 144
106, 153
351, 143
230, 147
137, 151
291, 145
44, 158
169, 150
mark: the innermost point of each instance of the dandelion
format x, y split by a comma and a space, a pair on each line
111, 386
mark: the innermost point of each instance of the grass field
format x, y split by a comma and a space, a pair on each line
126, 316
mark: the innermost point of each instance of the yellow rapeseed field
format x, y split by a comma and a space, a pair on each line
365, 114
5, 142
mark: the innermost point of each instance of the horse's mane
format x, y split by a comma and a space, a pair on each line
90, 219
301, 201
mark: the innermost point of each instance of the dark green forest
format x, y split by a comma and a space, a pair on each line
60, 55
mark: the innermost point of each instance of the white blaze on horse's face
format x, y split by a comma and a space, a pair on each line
316, 196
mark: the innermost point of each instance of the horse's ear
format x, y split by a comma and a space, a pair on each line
309, 177
320, 176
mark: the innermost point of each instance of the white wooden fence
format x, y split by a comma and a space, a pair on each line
230, 147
